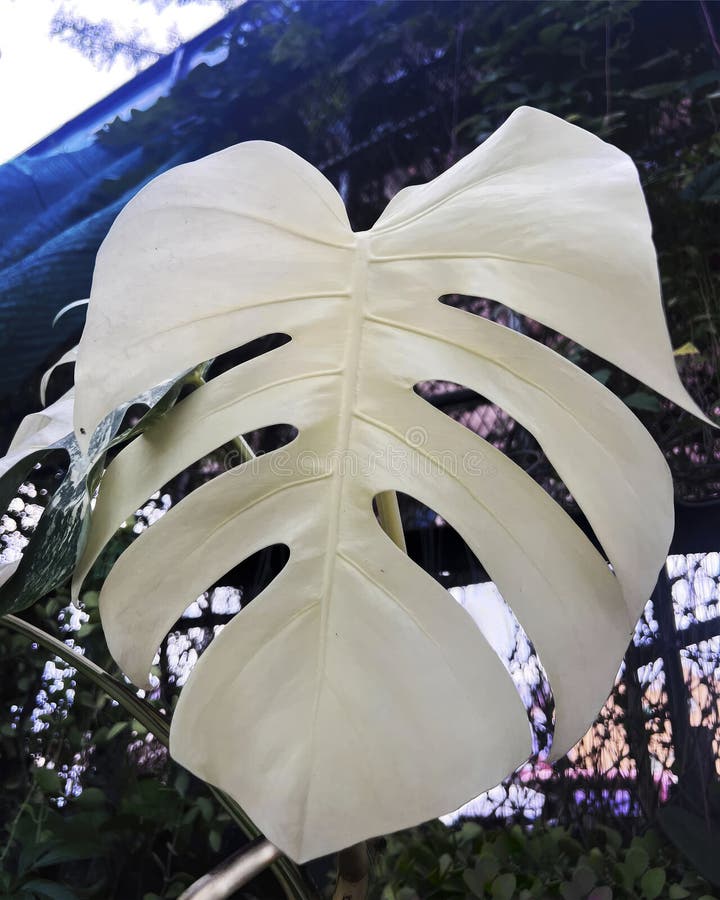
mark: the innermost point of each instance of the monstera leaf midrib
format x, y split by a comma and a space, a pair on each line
357, 296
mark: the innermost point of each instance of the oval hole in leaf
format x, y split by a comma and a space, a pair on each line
224, 458
502, 315
239, 355
17, 522
217, 366
442, 552
219, 604
491, 422
507, 317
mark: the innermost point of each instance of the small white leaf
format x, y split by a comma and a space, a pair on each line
69, 357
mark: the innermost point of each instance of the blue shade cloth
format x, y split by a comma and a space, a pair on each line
57, 201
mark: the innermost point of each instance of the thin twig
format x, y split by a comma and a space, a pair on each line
608, 90
15, 822
710, 27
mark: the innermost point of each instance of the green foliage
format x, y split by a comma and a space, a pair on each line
85, 842
470, 861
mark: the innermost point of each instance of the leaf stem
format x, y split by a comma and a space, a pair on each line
244, 449
353, 873
234, 872
125, 696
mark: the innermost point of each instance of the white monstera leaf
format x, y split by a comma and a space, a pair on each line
354, 696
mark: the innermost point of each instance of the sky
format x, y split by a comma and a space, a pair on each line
45, 83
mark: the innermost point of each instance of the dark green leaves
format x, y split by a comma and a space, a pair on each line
435, 863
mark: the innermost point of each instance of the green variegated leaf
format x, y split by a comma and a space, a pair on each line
38, 434
354, 696
52, 554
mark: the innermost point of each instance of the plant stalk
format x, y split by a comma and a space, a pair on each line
234, 872
245, 451
140, 709
353, 873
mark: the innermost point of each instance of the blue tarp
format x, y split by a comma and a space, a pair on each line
57, 201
